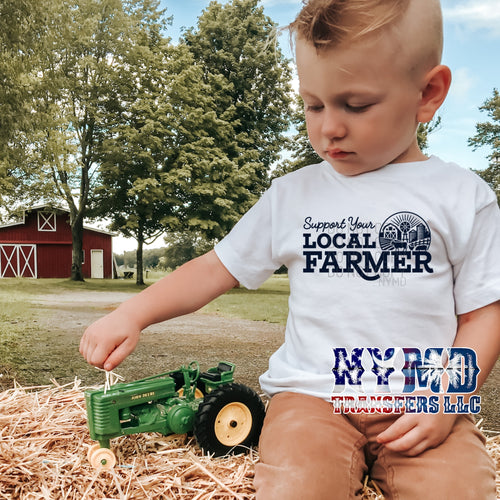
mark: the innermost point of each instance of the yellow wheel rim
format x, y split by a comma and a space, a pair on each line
93, 448
233, 424
197, 393
103, 458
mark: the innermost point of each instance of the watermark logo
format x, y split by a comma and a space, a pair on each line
451, 372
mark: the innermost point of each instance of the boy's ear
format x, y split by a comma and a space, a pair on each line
436, 85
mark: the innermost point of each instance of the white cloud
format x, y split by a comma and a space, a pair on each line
475, 14
463, 81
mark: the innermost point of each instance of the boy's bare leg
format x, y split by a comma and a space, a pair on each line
307, 452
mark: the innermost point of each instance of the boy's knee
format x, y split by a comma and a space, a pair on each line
307, 452
445, 482
273, 482
295, 422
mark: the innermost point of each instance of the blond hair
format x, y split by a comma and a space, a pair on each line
416, 24
329, 23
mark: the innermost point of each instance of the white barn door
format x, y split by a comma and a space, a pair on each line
97, 263
17, 261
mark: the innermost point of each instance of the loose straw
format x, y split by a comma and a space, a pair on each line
43, 456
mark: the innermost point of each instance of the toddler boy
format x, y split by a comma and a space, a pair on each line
390, 254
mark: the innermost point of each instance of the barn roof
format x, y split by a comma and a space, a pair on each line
47, 206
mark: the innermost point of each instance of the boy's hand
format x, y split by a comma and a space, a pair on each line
413, 433
108, 341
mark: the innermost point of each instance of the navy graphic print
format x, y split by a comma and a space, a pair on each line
366, 249
405, 231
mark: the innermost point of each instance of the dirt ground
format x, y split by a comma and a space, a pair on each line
206, 338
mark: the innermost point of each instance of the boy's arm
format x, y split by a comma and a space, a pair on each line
414, 433
480, 330
108, 341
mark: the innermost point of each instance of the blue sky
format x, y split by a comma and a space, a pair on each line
472, 50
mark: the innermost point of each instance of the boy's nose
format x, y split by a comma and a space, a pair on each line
333, 126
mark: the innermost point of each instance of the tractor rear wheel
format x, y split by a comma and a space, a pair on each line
229, 420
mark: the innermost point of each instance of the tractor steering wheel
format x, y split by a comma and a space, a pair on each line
194, 373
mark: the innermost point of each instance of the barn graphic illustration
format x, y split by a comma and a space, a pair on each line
404, 231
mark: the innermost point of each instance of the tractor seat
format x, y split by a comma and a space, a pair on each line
215, 376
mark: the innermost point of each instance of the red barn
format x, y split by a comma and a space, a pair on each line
39, 246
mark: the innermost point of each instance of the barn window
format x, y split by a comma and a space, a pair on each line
46, 221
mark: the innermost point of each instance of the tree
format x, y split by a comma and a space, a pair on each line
74, 78
423, 131
250, 80
79, 81
153, 258
206, 170
184, 246
208, 184
131, 191
488, 134
24, 34
163, 169
302, 153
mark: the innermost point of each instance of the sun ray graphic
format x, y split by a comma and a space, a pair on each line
404, 231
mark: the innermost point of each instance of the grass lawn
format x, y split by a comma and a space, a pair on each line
20, 315
268, 303
29, 347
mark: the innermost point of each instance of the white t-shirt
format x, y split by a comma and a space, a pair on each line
384, 259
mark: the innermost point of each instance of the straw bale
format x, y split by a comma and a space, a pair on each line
43, 455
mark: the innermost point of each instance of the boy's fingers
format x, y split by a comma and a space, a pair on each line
95, 357
404, 436
108, 341
410, 441
83, 345
88, 348
94, 354
399, 428
118, 355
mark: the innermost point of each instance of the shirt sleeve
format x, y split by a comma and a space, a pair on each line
477, 274
246, 251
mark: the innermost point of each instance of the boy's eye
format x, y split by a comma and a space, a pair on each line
314, 108
356, 108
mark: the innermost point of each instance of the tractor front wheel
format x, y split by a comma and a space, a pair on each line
229, 420
101, 457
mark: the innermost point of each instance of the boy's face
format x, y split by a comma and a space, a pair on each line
360, 105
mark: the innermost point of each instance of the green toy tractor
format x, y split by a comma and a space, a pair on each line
225, 417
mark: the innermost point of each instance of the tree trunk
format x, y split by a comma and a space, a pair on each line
139, 275
77, 256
